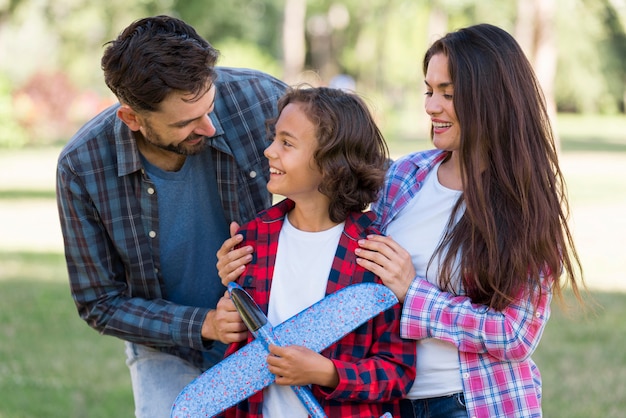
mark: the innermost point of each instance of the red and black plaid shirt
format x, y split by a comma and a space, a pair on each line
375, 366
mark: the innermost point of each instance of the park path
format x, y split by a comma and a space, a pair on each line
598, 210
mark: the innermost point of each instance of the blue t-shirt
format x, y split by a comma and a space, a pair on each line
193, 226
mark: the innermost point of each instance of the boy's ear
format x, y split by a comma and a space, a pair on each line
129, 117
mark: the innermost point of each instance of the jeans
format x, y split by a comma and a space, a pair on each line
452, 406
157, 379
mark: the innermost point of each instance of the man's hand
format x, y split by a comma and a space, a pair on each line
224, 323
230, 262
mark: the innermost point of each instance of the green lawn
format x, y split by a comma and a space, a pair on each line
582, 360
53, 365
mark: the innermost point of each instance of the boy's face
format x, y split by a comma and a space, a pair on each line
293, 172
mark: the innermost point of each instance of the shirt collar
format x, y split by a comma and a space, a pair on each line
128, 160
355, 224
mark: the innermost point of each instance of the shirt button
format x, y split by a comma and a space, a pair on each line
465, 375
152, 234
150, 190
252, 174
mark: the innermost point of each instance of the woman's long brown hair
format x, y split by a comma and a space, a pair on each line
514, 230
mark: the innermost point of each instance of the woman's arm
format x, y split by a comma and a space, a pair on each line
509, 335
428, 312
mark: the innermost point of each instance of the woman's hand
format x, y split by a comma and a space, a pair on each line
388, 260
230, 262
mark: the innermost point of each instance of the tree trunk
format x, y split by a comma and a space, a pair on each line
294, 44
535, 31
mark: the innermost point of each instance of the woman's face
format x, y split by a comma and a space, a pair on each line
445, 131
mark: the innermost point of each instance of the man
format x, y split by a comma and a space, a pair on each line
146, 191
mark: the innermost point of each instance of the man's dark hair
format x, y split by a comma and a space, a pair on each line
154, 57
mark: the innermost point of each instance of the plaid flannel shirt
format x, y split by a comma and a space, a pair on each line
375, 366
110, 222
499, 377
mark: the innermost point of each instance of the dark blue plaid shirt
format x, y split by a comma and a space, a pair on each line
110, 222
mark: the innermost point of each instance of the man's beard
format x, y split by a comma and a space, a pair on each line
183, 148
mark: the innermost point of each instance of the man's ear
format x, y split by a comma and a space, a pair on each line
129, 117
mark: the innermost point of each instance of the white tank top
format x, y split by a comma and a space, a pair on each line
419, 228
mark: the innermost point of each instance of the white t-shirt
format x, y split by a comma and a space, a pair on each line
419, 228
303, 262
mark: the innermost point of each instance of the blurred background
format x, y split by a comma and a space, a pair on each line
53, 365
51, 82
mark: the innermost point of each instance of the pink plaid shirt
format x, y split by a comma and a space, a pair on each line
499, 377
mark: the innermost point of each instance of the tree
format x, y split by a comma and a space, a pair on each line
535, 31
293, 39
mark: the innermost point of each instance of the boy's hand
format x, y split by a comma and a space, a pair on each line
295, 365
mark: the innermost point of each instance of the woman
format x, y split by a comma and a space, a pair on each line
476, 232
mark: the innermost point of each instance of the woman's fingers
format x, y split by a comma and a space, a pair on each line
231, 262
388, 260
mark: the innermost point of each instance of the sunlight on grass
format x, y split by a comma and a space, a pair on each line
34, 266
595, 133
52, 355
582, 358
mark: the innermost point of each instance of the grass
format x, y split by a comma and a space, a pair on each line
582, 359
53, 365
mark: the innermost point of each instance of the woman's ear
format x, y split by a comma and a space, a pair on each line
129, 117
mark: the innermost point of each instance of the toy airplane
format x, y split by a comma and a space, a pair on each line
245, 372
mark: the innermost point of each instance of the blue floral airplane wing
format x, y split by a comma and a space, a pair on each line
245, 372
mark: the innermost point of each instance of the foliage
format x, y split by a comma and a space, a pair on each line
249, 21
591, 75
46, 38
12, 135
235, 53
